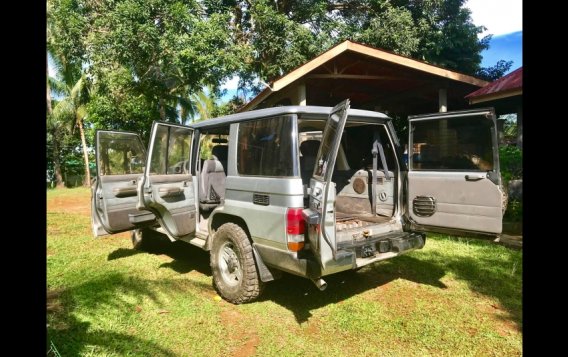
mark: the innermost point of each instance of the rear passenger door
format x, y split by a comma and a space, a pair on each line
120, 159
454, 179
322, 190
167, 189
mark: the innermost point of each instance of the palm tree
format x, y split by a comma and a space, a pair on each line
53, 125
204, 103
72, 108
55, 130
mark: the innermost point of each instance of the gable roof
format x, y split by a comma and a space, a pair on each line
375, 53
507, 86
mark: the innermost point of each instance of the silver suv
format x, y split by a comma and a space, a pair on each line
306, 190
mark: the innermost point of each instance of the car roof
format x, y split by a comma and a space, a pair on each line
310, 111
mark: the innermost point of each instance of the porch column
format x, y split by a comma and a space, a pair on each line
443, 124
302, 94
443, 100
520, 127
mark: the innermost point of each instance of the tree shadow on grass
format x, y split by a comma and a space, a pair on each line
186, 257
72, 337
493, 278
492, 275
122, 253
300, 295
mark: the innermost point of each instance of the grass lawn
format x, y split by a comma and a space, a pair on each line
456, 296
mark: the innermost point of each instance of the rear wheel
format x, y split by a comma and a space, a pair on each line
235, 276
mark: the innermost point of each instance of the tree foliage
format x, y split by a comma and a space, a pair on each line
494, 72
151, 59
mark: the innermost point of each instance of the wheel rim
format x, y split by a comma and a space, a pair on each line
229, 264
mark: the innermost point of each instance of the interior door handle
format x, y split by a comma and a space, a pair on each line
170, 191
476, 177
124, 191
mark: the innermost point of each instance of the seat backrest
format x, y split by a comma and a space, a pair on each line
221, 153
309, 150
212, 183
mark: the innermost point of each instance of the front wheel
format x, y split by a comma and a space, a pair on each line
235, 276
147, 240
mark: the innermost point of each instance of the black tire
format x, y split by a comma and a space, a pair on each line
137, 238
235, 275
147, 240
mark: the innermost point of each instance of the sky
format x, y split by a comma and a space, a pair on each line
504, 20
500, 17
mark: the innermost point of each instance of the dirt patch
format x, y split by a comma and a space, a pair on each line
79, 204
313, 328
54, 304
502, 320
392, 299
237, 332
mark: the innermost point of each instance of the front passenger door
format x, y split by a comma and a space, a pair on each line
168, 186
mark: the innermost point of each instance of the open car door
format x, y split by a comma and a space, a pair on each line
321, 213
167, 189
120, 158
454, 179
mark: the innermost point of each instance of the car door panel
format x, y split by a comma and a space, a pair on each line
120, 164
168, 187
453, 179
322, 193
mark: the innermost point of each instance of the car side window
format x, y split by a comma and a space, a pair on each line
119, 154
463, 144
265, 147
170, 154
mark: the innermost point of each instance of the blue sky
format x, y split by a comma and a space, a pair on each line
504, 20
508, 47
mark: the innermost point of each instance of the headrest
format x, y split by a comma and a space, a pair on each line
212, 166
221, 152
309, 147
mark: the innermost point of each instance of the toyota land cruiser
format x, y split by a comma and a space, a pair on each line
306, 190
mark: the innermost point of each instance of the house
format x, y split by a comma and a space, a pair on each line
373, 79
506, 96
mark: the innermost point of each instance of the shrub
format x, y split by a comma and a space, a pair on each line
511, 161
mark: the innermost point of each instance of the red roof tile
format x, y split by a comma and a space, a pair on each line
513, 80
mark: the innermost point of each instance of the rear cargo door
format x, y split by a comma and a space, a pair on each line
168, 187
120, 158
322, 190
454, 179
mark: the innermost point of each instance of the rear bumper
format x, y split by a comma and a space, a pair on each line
289, 262
393, 243
366, 252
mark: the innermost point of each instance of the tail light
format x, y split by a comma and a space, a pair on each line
295, 228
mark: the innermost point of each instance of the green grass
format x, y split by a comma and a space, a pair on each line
456, 296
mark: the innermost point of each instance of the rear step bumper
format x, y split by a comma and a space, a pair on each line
397, 243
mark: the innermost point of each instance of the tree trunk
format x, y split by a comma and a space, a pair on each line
87, 181
49, 110
56, 163
55, 137
162, 109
